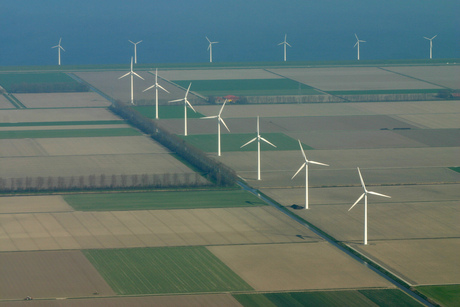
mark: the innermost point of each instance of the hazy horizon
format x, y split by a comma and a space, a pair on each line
97, 32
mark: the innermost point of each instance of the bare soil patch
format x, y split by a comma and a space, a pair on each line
33, 204
62, 100
51, 115
279, 267
4, 103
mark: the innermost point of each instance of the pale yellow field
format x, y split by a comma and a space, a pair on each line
33, 204
448, 76
62, 100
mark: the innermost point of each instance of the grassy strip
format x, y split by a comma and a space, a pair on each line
233, 142
67, 133
166, 112
385, 92
68, 123
162, 200
447, 295
164, 270
249, 87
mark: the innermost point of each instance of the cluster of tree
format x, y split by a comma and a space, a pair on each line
103, 182
58, 87
215, 171
446, 94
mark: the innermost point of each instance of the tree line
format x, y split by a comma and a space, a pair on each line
212, 169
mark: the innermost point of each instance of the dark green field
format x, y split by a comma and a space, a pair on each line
386, 297
456, 169
447, 295
167, 112
6, 80
233, 142
249, 87
164, 270
384, 92
67, 133
162, 200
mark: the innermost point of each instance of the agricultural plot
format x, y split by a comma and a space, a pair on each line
280, 267
54, 274
51, 115
445, 76
353, 79
8, 80
163, 200
433, 121
33, 204
149, 228
68, 133
447, 295
165, 270
62, 100
216, 74
249, 87
5, 103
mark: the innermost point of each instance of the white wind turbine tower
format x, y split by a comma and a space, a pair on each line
219, 120
431, 44
365, 203
258, 138
210, 49
285, 43
305, 164
156, 86
135, 50
186, 102
132, 74
357, 43
59, 47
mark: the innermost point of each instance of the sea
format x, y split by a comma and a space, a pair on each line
175, 31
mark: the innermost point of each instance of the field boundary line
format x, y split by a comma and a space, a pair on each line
411, 77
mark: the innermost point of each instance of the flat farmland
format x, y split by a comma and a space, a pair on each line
7, 80
353, 79
280, 267
51, 115
62, 100
33, 204
54, 274
5, 103
446, 76
68, 133
216, 74
148, 228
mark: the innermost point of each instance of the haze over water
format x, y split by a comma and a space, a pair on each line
173, 31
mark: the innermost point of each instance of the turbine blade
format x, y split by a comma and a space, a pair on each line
208, 39
267, 141
149, 88
188, 89
356, 44
176, 100
189, 104
139, 42
159, 86
137, 75
127, 74
362, 181
318, 163
249, 142
378, 194
434, 36
361, 197
208, 117
303, 165
131, 42
356, 37
288, 44
303, 152
220, 112
426, 38
225, 125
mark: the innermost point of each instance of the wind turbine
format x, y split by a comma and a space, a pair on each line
219, 120
305, 164
258, 138
132, 73
210, 49
156, 86
285, 43
59, 47
135, 50
431, 44
365, 203
357, 43
186, 102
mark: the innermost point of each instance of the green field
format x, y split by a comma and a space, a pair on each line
249, 87
6, 80
164, 270
384, 92
447, 295
68, 123
233, 142
386, 297
162, 200
456, 169
67, 133
167, 112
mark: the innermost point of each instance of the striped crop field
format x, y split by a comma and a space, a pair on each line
383, 297
164, 270
162, 200
233, 142
166, 112
249, 87
67, 133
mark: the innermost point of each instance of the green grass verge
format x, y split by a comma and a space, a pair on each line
68, 123
385, 92
67, 133
456, 169
6, 80
385, 297
167, 112
446, 295
233, 142
164, 270
249, 87
162, 200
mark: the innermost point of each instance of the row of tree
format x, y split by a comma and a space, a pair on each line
57, 87
103, 182
212, 169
